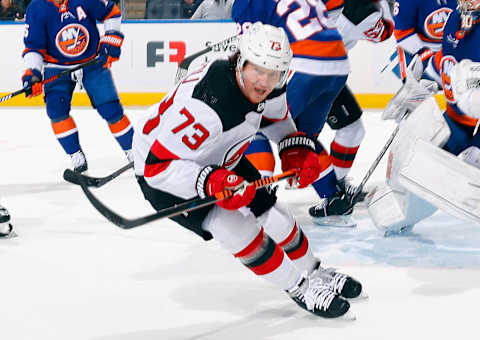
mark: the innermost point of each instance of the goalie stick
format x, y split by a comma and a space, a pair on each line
175, 210
97, 182
52, 78
376, 161
185, 63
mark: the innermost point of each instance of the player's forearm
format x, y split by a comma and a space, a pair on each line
33, 60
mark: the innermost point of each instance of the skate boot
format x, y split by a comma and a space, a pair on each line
350, 190
333, 211
341, 284
79, 162
315, 296
6, 228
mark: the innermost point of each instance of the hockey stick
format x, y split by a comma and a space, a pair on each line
376, 161
175, 210
185, 63
97, 182
52, 78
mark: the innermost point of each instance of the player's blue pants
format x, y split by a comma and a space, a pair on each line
461, 137
101, 90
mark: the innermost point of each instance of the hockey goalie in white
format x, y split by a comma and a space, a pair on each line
192, 143
422, 176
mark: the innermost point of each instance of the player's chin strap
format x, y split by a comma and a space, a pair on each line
174, 210
65, 73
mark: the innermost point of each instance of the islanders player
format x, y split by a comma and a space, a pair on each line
419, 29
63, 33
451, 186
320, 68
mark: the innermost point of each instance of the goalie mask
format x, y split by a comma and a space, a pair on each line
266, 46
469, 11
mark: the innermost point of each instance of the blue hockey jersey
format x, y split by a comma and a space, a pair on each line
419, 23
66, 33
456, 46
316, 44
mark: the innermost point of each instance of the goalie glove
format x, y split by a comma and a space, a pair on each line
213, 179
110, 47
32, 82
412, 93
465, 81
297, 152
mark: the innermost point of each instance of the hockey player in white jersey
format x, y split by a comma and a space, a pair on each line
191, 145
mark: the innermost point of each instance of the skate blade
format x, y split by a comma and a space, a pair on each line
348, 316
11, 234
363, 296
335, 221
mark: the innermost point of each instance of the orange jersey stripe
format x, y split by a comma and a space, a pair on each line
64, 126
332, 4
262, 161
115, 12
461, 119
328, 49
400, 34
437, 58
121, 125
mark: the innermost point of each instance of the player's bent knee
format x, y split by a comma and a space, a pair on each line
112, 111
58, 106
233, 229
277, 221
345, 110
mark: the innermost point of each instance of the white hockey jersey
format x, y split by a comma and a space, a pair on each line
204, 120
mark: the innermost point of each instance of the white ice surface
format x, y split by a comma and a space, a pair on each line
71, 274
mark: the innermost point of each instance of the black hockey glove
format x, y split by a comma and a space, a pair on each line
357, 10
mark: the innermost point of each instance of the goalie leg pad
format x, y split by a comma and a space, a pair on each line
442, 179
395, 211
426, 122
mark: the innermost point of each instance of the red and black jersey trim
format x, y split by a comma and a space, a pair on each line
296, 244
342, 156
158, 159
262, 255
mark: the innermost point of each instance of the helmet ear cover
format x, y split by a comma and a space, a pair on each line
266, 46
